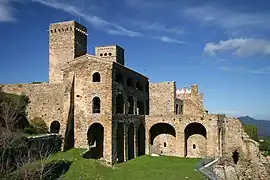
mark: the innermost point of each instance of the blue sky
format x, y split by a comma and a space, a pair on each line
223, 46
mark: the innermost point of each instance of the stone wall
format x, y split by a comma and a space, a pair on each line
162, 98
176, 144
85, 90
247, 164
45, 101
67, 40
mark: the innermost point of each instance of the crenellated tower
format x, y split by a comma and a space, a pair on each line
67, 40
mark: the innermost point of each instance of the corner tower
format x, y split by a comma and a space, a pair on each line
67, 40
113, 53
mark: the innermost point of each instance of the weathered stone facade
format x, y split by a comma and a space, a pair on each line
115, 112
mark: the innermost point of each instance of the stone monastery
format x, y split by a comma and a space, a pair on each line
96, 102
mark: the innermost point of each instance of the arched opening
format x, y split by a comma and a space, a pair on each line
141, 140
140, 108
96, 77
176, 109
119, 78
195, 140
131, 105
161, 128
130, 82
119, 104
96, 105
95, 136
235, 157
130, 141
55, 127
139, 86
120, 142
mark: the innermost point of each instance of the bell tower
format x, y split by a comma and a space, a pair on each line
67, 40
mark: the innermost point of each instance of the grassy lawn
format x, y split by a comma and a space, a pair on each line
144, 167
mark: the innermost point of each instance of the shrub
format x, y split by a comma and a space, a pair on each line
252, 131
37, 126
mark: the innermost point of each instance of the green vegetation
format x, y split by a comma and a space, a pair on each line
252, 131
37, 126
265, 145
144, 167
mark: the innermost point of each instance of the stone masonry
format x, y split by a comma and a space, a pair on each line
115, 113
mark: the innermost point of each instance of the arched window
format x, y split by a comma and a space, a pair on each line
139, 86
96, 105
119, 78
130, 82
119, 104
96, 77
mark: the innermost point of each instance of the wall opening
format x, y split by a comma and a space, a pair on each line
95, 136
235, 157
191, 129
131, 105
119, 78
176, 109
55, 127
96, 105
194, 146
165, 145
119, 104
141, 140
140, 108
120, 142
130, 82
139, 86
130, 141
161, 128
96, 77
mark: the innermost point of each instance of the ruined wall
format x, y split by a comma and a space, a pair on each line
85, 90
176, 146
162, 98
191, 99
45, 101
249, 162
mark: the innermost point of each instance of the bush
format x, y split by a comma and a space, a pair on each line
41, 170
37, 126
265, 146
252, 131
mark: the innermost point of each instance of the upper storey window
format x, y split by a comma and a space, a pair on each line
96, 77
119, 78
130, 82
96, 105
139, 86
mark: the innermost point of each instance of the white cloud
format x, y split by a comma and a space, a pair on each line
159, 27
6, 11
94, 20
169, 40
264, 70
241, 47
226, 18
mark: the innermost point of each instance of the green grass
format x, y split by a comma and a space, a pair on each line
144, 167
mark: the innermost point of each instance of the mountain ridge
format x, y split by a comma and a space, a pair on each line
262, 125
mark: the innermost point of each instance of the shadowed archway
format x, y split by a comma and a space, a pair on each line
55, 127
196, 134
120, 142
95, 137
141, 140
130, 141
161, 128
